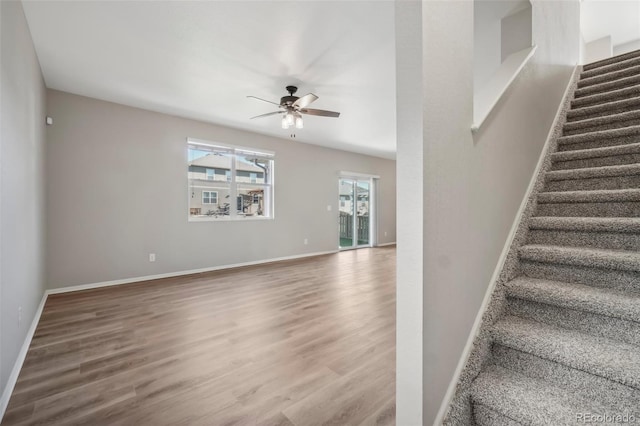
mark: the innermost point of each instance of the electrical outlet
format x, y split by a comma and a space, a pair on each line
19, 316
152, 257
306, 241
329, 207
385, 233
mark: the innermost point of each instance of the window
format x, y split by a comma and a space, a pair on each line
227, 182
209, 197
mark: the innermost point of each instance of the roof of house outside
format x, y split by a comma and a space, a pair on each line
214, 161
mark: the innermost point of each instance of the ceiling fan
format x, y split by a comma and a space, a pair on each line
293, 107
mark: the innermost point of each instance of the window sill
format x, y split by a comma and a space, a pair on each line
229, 219
486, 98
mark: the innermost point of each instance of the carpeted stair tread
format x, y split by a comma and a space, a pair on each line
589, 224
604, 109
611, 76
591, 388
612, 60
602, 301
605, 97
616, 361
593, 196
485, 416
528, 401
605, 69
602, 120
600, 135
608, 86
594, 172
607, 151
581, 256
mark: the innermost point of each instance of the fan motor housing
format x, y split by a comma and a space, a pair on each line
288, 100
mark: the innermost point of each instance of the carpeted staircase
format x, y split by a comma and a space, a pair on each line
567, 345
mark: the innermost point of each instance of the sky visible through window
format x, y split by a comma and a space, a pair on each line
194, 154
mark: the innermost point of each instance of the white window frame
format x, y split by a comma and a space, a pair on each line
234, 185
209, 197
213, 174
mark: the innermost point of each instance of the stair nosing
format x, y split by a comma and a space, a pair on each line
599, 134
589, 196
586, 224
594, 172
622, 260
595, 300
606, 151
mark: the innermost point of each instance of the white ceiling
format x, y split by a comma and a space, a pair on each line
618, 18
200, 59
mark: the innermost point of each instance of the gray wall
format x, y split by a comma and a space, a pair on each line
106, 163
21, 183
494, 23
626, 47
473, 184
515, 33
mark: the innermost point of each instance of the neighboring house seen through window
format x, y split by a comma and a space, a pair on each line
227, 182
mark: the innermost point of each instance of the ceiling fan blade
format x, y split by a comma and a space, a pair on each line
267, 114
305, 100
263, 100
320, 112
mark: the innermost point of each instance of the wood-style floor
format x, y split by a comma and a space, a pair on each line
304, 342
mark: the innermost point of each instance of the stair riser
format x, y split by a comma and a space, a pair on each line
622, 209
583, 384
603, 240
608, 86
603, 98
599, 325
613, 60
613, 182
484, 416
613, 160
599, 143
568, 131
603, 111
627, 72
610, 68
605, 278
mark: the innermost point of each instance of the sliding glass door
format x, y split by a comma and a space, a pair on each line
355, 213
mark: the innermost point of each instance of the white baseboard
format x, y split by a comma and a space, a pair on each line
386, 244
475, 330
17, 366
180, 273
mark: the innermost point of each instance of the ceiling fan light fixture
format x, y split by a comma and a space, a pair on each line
290, 118
292, 107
